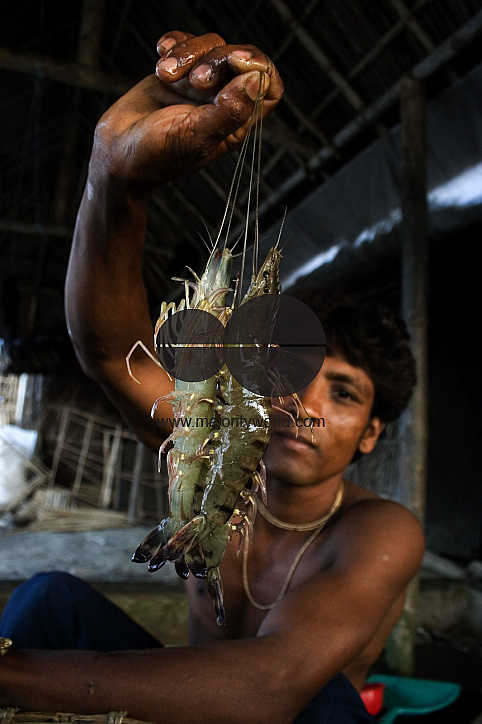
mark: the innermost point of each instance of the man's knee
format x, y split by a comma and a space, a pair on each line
44, 591
39, 612
44, 583
48, 579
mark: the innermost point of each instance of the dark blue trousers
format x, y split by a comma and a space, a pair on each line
59, 611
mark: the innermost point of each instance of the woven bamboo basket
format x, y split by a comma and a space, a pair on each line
16, 716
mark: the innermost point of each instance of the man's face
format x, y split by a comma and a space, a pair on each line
343, 396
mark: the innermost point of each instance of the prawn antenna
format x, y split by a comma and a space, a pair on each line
234, 189
255, 159
209, 236
281, 229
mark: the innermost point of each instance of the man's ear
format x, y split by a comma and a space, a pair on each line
370, 435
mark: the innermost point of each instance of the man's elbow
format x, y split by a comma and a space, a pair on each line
94, 365
279, 693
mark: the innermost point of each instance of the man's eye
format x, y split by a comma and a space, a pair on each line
343, 394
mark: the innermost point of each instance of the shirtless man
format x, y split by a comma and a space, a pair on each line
348, 589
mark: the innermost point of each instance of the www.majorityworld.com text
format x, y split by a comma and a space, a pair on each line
216, 423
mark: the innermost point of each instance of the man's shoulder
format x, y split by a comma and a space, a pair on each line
374, 525
362, 502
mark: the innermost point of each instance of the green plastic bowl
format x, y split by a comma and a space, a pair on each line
411, 696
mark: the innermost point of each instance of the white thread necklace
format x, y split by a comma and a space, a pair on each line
316, 526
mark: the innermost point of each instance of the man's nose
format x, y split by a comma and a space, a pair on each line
298, 404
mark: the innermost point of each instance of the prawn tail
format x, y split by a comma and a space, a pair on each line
182, 541
196, 562
181, 567
215, 587
154, 540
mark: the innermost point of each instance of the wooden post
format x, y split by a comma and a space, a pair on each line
413, 425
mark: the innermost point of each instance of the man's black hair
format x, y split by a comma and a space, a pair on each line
377, 341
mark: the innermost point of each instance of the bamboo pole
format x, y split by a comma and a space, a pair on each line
133, 506
413, 425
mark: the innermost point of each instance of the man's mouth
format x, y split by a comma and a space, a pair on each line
295, 437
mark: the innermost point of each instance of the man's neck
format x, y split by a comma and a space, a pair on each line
301, 504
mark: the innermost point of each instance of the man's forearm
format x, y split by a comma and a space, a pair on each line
235, 682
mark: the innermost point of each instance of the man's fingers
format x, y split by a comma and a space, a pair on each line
224, 121
169, 40
217, 67
214, 69
250, 58
179, 59
201, 66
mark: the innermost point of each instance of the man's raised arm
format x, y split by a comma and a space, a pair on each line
196, 108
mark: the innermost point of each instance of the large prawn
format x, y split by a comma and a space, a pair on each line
209, 471
238, 456
234, 456
185, 460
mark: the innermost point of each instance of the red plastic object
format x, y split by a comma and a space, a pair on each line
372, 696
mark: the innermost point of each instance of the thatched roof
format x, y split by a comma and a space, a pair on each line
61, 65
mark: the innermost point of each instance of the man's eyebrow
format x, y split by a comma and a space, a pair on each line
350, 380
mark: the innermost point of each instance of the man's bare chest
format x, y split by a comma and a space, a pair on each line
255, 578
